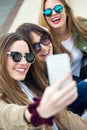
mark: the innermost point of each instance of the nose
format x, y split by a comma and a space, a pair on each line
53, 12
23, 60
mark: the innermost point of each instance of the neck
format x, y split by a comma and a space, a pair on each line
63, 33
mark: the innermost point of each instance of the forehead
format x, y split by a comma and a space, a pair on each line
36, 37
52, 3
19, 45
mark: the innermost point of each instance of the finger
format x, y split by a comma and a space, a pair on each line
71, 100
69, 97
66, 90
65, 103
61, 80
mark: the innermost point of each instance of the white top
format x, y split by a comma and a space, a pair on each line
77, 56
30, 95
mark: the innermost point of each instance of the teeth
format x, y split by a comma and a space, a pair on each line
55, 19
45, 53
21, 70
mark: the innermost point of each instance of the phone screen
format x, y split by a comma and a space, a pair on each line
57, 66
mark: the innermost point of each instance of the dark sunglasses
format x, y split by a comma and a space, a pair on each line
45, 40
57, 9
17, 56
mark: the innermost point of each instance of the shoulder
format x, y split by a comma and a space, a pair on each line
71, 121
81, 19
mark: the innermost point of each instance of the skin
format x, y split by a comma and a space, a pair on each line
45, 50
18, 70
59, 25
57, 21
62, 98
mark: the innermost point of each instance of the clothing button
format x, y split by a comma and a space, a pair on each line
84, 47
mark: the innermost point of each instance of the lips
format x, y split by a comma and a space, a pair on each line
20, 69
46, 53
55, 20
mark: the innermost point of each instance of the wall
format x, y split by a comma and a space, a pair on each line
79, 7
29, 11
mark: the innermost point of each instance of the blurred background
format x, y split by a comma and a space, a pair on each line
15, 12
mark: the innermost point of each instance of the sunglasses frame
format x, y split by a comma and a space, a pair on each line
13, 54
37, 44
49, 9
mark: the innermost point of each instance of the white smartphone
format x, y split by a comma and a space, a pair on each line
57, 66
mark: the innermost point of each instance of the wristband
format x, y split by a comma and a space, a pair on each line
35, 119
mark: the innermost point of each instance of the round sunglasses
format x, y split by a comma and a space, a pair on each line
45, 40
17, 56
48, 12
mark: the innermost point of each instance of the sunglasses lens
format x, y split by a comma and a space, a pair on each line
58, 8
36, 47
47, 12
45, 40
16, 56
30, 57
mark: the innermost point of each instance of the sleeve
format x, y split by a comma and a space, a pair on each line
11, 115
69, 121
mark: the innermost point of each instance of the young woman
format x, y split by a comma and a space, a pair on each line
20, 106
69, 33
43, 47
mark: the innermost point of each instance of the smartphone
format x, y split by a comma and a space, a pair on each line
57, 66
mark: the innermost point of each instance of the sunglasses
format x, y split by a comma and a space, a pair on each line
17, 56
45, 40
48, 12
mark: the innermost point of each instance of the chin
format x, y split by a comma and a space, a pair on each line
20, 78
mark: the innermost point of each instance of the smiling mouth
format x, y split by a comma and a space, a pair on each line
46, 53
56, 20
20, 70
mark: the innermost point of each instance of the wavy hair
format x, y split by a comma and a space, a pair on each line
9, 88
74, 24
38, 80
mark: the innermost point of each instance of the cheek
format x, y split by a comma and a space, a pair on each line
51, 48
64, 15
47, 19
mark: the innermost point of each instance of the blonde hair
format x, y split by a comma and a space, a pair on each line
74, 24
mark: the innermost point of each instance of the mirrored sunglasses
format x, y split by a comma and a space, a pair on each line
17, 56
48, 12
44, 40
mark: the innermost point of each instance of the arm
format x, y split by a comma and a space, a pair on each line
11, 115
70, 121
54, 99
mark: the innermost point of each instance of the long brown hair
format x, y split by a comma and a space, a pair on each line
38, 80
8, 87
74, 24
